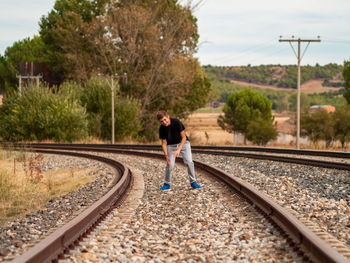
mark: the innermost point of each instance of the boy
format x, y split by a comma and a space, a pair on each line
174, 142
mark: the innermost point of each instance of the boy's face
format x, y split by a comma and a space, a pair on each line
165, 121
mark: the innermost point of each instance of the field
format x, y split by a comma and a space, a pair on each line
202, 128
309, 87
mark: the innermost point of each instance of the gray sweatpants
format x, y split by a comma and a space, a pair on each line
187, 158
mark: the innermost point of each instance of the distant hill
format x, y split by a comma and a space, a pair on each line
321, 85
279, 76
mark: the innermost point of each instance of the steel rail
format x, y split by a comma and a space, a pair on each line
60, 241
295, 160
334, 154
317, 249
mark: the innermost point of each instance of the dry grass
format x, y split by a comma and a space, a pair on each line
202, 129
24, 189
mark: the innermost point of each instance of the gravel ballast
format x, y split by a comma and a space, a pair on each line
211, 224
204, 216
318, 194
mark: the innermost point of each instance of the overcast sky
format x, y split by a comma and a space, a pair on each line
231, 32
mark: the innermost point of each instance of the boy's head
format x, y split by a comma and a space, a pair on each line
163, 118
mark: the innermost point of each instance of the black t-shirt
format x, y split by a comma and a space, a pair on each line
172, 133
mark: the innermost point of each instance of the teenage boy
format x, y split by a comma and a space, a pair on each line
174, 142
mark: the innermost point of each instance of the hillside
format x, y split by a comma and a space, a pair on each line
281, 77
320, 84
309, 87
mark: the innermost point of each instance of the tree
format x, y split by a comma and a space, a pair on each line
304, 102
28, 49
242, 108
261, 131
342, 125
68, 15
3, 71
346, 75
318, 126
148, 44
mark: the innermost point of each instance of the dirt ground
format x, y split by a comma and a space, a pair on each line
202, 128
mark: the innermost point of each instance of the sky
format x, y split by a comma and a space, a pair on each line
232, 32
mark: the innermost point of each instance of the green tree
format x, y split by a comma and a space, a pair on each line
342, 125
304, 102
318, 126
261, 131
28, 49
346, 75
68, 15
242, 108
3, 71
150, 44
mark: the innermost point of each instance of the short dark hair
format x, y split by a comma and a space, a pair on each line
161, 114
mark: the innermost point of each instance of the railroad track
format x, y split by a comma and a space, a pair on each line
297, 234
261, 153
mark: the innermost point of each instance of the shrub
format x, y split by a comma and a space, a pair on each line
96, 98
318, 126
261, 131
40, 114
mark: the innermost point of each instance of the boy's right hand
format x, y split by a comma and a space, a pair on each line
167, 161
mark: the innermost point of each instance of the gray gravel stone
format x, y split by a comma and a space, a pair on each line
211, 224
317, 194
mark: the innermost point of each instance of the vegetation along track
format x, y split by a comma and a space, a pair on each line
297, 233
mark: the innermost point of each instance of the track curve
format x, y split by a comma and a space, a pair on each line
319, 250
316, 248
247, 152
52, 247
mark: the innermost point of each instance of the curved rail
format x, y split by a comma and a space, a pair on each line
334, 154
316, 248
228, 151
64, 238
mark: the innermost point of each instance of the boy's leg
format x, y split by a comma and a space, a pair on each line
187, 157
169, 169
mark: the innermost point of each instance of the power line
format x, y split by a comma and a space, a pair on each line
268, 55
245, 52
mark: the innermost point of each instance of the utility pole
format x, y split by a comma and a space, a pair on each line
112, 88
117, 77
298, 90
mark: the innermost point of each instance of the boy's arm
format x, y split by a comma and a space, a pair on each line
165, 150
183, 140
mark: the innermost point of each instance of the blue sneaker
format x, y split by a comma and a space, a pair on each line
194, 185
165, 187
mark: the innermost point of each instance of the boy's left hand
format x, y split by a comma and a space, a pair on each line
176, 153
